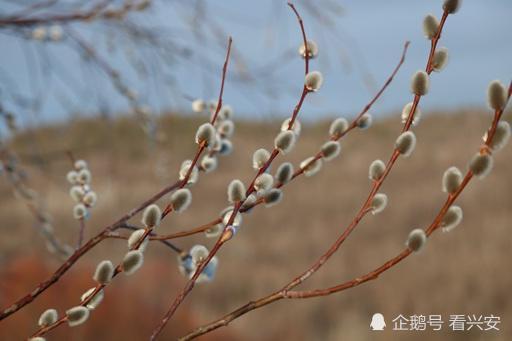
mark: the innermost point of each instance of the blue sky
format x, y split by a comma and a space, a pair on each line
365, 47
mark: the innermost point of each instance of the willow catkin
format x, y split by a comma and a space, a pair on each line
452, 218
90, 198
77, 315
263, 182
93, 302
135, 238
406, 112
440, 59
226, 216
151, 216
405, 143
416, 240
430, 26
311, 166
48, 317
132, 261
338, 127
272, 197
198, 105
285, 141
226, 128
236, 191
364, 122
313, 81
379, 203
452, 178
80, 164
209, 163
312, 49
481, 165
420, 83
296, 127
330, 150
501, 136
104, 272
181, 200
205, 134
284, 173
79, 211
376, 169
260, 158
452, 6
496, 95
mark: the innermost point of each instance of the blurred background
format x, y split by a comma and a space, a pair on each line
112, 82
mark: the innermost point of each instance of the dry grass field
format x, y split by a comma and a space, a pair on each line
466, 271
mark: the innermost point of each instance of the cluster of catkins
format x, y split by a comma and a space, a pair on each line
80, 179
43, 33
482, 162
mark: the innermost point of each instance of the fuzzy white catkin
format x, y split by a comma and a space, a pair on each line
496, 95
181, 200
198, 105
312, 49
330, 150
205, 133
379, 203
236, 191
365, 121
452, 178
481, 165
376, 169
226, 215
311, 166
501, 136
226, 147
95, 301
226, 112
226, 128
338, 127
77, 315
430, 26
194, 175
72, 177
84, 176
285, 141
248, 203
80, 164
405, 143
273, 197
39, 33
209, 163
214, 231
263, 182
135, 238
314, 80
284, 173
104, 272
79, 211
76, 193
452, 6
296, 128
407, 109
90, 199
37, 338
452, 218
440, 59
199, 253
259, 158
151, 216
416, 240
132, 261
49, 316
420, 83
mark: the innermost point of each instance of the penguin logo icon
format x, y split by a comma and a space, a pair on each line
378, 322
